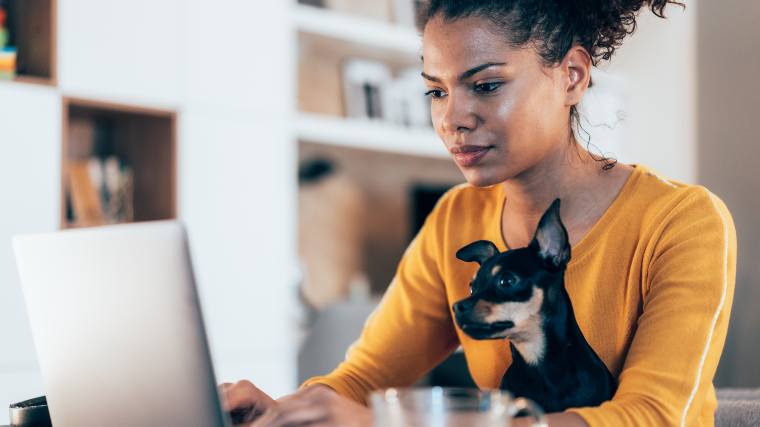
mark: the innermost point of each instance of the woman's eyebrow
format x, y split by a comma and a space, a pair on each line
467, 74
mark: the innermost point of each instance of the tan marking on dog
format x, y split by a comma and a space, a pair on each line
526, 335
482, 309
495, 270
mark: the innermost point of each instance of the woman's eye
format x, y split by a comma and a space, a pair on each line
435, 93
487, 87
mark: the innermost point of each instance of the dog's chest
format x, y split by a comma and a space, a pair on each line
570, 382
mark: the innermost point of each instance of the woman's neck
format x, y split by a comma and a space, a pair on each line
571, 174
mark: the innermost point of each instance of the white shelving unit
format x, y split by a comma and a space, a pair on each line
362, 31
347, 36
369, 134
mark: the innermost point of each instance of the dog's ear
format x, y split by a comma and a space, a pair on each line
551, 241
478, 251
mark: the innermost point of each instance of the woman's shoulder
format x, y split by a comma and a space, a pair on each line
664, 202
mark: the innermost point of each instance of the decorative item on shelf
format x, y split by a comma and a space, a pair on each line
406, 103
331, 234
364, 82
377, 9
117, 191
7, 52
7, 63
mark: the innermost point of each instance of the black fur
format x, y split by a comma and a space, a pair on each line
569, 373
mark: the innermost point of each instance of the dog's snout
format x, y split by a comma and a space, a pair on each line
462, 307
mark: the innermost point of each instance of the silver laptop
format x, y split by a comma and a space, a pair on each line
117, 326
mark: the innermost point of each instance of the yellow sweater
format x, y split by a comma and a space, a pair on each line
651, 285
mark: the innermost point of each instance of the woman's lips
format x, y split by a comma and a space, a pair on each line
469, 155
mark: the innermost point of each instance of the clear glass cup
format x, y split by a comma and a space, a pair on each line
449, 407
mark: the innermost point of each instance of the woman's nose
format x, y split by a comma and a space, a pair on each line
458, 116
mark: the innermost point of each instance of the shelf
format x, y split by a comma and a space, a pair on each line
32, 27
357, 36
369, 135
143, 140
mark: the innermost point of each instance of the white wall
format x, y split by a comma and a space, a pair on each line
729, 149
654, 75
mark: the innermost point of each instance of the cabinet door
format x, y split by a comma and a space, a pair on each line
131, 52
30, 134
237, 198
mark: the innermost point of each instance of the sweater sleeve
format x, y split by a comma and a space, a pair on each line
689, 284
410, 331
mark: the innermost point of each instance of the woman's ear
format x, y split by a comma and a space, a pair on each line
576, 66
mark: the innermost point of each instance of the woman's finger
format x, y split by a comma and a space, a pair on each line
244, 394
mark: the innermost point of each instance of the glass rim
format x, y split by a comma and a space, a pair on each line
394, 393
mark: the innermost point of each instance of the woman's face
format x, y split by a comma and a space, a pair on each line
498, 108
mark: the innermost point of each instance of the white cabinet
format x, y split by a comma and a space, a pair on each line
30, 135
128, 52
237, 197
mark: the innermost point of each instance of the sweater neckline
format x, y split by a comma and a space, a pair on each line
588, 241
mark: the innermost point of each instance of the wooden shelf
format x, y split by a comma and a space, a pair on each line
369, 135
32, 26
356, 36
142, 139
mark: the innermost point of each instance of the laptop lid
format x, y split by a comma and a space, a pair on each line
117, 326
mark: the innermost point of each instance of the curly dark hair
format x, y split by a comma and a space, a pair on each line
553, 26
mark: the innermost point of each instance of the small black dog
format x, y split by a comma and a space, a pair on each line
520, 295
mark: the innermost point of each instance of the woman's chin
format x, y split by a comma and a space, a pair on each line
480, 177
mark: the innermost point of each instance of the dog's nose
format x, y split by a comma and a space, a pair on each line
461, 307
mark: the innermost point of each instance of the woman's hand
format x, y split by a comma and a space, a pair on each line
244, 401
317, 405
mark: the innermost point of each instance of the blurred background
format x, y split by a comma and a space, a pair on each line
294, 142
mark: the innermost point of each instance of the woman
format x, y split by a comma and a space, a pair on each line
653, 261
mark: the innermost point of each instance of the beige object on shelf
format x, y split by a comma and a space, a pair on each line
331, 237
319, 84
379, 9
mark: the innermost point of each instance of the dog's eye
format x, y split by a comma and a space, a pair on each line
507, 281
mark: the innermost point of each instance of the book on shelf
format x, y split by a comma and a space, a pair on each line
85, 199
101, 192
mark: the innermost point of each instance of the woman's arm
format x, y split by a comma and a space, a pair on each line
410, 332
667, 375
